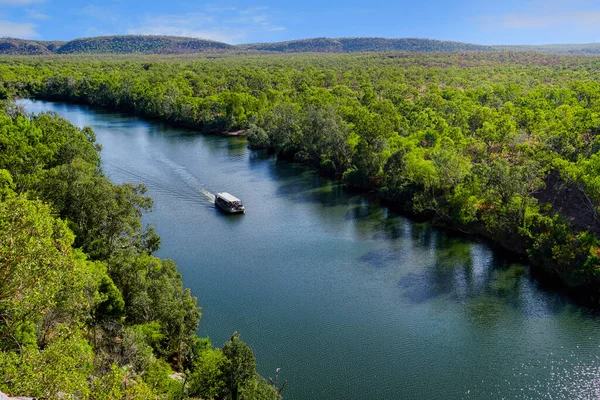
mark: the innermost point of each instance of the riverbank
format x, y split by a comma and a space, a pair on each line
213, 132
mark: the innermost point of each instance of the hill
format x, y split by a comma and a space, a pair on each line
28, 47
141, 44
156, 44
583, 49
355, 45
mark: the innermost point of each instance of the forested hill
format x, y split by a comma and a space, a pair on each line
28, 47
154, 44
141, 44
182, 45
583, 49
354, 45
130, 44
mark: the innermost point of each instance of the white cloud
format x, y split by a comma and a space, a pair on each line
102, 14
190, 25
175, 30
220, 22
211, 8
17, 30
224, 24
572, 15
20, 2
34, 14
580, 20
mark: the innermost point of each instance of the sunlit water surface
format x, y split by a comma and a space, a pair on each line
349, 299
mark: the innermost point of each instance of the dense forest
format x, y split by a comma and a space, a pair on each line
502, 145
86, 310
356, 45
583, 48
140, 44
156, 44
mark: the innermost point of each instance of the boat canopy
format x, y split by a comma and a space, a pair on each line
228, 197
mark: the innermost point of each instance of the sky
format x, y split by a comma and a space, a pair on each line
250, 21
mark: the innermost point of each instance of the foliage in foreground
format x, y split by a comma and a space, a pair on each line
86, 310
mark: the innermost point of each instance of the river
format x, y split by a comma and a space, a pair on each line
349, 299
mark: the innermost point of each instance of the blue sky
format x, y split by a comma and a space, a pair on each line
245, 21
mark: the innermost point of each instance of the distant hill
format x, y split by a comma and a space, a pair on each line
154, 44
141, 44
588, 48
355, 45
132, 44
28, 47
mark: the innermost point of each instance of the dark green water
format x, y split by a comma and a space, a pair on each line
351, 300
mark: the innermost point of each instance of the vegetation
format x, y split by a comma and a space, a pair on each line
128, 44
585, 48
156, 44
28, 47
355, 45
86, 310
497, 144
141, 44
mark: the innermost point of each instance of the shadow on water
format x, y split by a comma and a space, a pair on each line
214, 144
452, 268
229, 219
448, 271
468, 273
233, 146
364, 206
391, 227
257, 158
384, 258
421, 234
305, 186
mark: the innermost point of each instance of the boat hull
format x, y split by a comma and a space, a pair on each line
230, 210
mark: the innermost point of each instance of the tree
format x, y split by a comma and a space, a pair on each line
241, 366
34, 253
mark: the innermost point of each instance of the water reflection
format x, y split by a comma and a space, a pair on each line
367, 208
451, 266
384, 258
305, 186
257, 158
421, 234
234, 147
391, 227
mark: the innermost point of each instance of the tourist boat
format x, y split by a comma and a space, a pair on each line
229, 203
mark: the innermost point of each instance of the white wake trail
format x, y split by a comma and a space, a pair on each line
185, 175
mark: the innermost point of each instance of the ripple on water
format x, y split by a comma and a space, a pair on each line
573, 378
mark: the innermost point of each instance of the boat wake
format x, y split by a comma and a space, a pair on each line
210, 196
158, 185
190, 180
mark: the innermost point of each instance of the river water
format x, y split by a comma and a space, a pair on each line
349, 299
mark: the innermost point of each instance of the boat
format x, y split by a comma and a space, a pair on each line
229, 203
